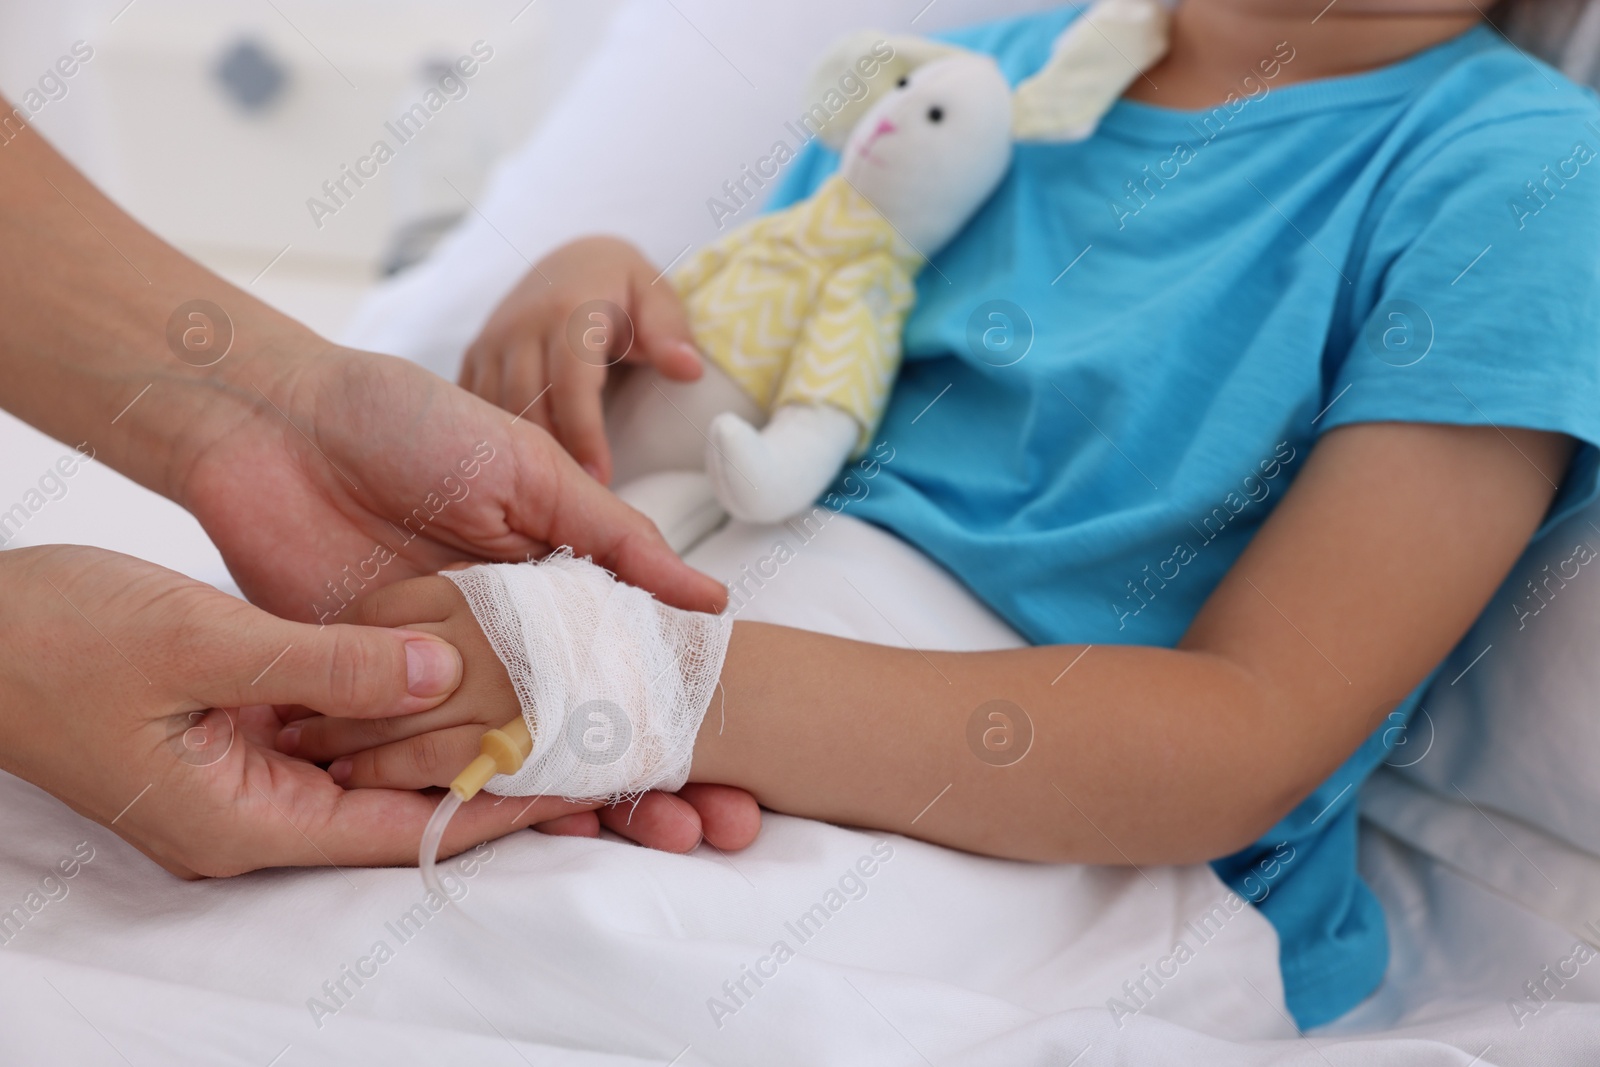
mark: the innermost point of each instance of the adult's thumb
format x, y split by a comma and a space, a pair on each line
359, 672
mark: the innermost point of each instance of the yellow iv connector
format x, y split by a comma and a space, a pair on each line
503, 751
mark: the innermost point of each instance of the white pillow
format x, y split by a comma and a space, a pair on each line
1512, 721
675, 102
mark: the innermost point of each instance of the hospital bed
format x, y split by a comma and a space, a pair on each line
604, 953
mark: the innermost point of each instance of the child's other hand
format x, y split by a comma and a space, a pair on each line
432, 747
546, 349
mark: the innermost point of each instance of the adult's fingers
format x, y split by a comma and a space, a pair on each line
373, 827
564, 506
383, 827
730, 818
656, 820
246, 656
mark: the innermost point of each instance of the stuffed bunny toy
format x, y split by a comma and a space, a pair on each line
800, 313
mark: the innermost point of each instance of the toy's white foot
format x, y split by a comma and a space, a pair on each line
768, 475
680, 503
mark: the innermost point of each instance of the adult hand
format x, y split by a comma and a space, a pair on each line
150, 703
145, 701
356, 470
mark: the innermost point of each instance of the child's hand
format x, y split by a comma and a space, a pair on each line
546, 349
432, 747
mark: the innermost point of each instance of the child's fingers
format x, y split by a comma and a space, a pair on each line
656, 820
258, 723
730, 818
431, 759
325, 738
663, 335
472, 368
524, 383
681, 362
414, 603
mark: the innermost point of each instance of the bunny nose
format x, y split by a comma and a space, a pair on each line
883, 128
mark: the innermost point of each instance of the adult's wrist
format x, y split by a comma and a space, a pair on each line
103, 345
250, 390
19, 688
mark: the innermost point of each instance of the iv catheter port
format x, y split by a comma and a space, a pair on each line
503, 751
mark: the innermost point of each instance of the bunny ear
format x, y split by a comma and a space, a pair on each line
855, 73
1094, 60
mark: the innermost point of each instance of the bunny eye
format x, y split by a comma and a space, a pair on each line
936, 114
903, 82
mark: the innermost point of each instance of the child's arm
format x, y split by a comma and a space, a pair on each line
1388, 545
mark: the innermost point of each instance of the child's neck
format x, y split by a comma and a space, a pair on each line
1216, 43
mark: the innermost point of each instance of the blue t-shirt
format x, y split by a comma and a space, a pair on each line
1119, 364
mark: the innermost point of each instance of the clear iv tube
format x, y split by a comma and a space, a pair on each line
428, 857
503, 751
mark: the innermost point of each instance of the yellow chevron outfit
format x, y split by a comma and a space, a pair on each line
807, 305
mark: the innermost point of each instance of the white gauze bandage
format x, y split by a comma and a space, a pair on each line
612, 682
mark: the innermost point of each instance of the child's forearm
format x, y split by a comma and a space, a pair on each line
1391, 541
1139, 755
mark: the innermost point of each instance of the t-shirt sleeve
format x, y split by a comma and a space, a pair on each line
1477, 299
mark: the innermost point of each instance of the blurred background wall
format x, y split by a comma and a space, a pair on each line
214, 121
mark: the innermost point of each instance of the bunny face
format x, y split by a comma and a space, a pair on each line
930, 152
